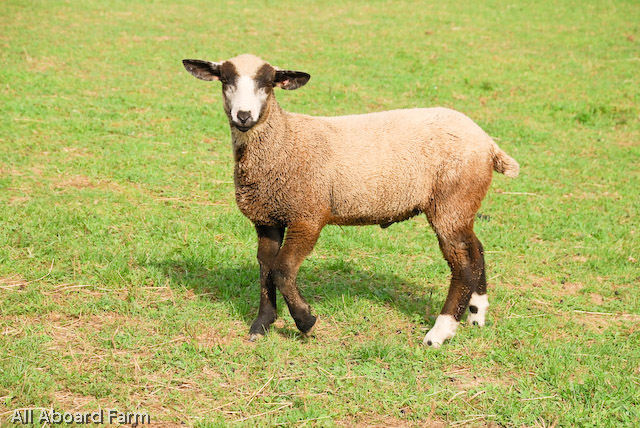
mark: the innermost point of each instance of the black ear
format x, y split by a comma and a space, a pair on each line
204, 70
289, 79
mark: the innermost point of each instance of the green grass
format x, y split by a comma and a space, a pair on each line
128, 277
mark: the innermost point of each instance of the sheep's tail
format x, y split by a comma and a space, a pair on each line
503, 163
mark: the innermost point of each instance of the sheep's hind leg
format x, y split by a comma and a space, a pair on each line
269, 241
479, 303
299, 241
461, 252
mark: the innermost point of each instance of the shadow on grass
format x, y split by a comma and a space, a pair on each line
322, 282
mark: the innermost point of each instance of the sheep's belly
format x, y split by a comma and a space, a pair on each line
377, 205
384, 220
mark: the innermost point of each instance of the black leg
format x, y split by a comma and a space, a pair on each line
269, 242
463, 254
300, 240
479, 303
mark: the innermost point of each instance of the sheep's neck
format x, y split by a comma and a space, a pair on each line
262, 153
265, 140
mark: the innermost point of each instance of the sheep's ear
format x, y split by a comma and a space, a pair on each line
289, 79
204, 70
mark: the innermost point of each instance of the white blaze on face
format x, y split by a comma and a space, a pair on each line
245, 97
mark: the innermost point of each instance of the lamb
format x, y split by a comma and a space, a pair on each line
296, 173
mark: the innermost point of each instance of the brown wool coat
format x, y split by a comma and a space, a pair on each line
376, 168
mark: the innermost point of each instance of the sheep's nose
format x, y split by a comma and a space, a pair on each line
244, 116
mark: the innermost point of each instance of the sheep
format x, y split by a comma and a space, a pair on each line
296, 173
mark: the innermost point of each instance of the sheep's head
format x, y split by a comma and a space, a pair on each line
247, 84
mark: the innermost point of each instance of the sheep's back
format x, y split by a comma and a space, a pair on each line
386, 166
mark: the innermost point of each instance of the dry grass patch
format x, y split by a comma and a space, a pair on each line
161, 414
89, 344
386, 421
15, 281
84, 182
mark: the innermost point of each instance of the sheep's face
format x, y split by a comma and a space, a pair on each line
247, 85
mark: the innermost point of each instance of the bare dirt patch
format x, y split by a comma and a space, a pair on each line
555, 287
76, 152
596, 299
571, 288
84, 182
18, 200
77, 181
42, 64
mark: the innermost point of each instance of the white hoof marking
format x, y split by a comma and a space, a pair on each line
444, 328
255, 337
481, 303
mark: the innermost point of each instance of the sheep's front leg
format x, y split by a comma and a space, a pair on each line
269, 242
299, 241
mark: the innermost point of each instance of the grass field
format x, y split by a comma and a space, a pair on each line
128, 276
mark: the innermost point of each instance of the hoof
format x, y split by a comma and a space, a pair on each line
307, 325
478, 306
444, 328
305, 322
432, 344
259, 327
476, 320
309, 333
254, 337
